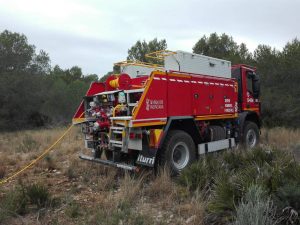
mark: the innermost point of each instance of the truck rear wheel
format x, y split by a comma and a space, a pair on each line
178, 151
250, 135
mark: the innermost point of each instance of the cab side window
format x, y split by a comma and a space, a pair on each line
249, 84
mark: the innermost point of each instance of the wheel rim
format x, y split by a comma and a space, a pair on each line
180, 155
251, 138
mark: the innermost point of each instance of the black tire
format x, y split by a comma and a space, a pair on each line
250, 135
178, 151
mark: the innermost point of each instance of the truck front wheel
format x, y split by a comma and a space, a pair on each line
250, 135
178, 151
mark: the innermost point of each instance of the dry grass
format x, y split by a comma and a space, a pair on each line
131, 189
162, 185
162, 189
281, 137
2, 171
20, 147
193, 211
95, 191
108, 180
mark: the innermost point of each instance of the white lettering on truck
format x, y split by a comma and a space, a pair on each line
154, 104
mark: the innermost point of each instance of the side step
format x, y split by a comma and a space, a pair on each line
214, 146
116, 136
109, 163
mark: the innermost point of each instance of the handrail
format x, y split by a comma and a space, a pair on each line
138, 63
116, 108
160, 55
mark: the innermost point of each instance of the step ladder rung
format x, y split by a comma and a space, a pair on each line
117, 145
117, 128
116, 142
117, 132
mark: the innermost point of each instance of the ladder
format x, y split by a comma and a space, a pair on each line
116, 137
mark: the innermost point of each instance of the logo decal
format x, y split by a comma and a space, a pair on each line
154, 104
145, 160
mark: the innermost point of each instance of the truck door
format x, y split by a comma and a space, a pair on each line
251, 90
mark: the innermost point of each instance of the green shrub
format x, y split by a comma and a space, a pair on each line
259, 156
73, 209
233, 160
287, 200
123, 213
14, 202
289, 196
228, 176
255, 208
281, 170
224, 197
38, 195
200, 175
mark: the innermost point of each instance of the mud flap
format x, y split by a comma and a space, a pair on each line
147, 157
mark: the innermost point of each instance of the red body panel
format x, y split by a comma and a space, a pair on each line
95, 87
153, 101
173, 93
179, 94
215, 95
138, 82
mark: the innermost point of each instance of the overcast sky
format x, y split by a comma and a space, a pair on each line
94, 34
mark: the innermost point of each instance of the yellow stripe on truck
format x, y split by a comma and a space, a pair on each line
148, 124
155, 135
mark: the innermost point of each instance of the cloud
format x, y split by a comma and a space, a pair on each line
94, 34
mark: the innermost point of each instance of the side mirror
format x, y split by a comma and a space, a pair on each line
250, 74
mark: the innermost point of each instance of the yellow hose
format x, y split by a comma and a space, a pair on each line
119, 106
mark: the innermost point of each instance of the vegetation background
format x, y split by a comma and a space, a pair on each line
34, 93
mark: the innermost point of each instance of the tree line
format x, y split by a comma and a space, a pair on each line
32, 93
35, 94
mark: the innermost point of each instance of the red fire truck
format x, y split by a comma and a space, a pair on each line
170, 114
